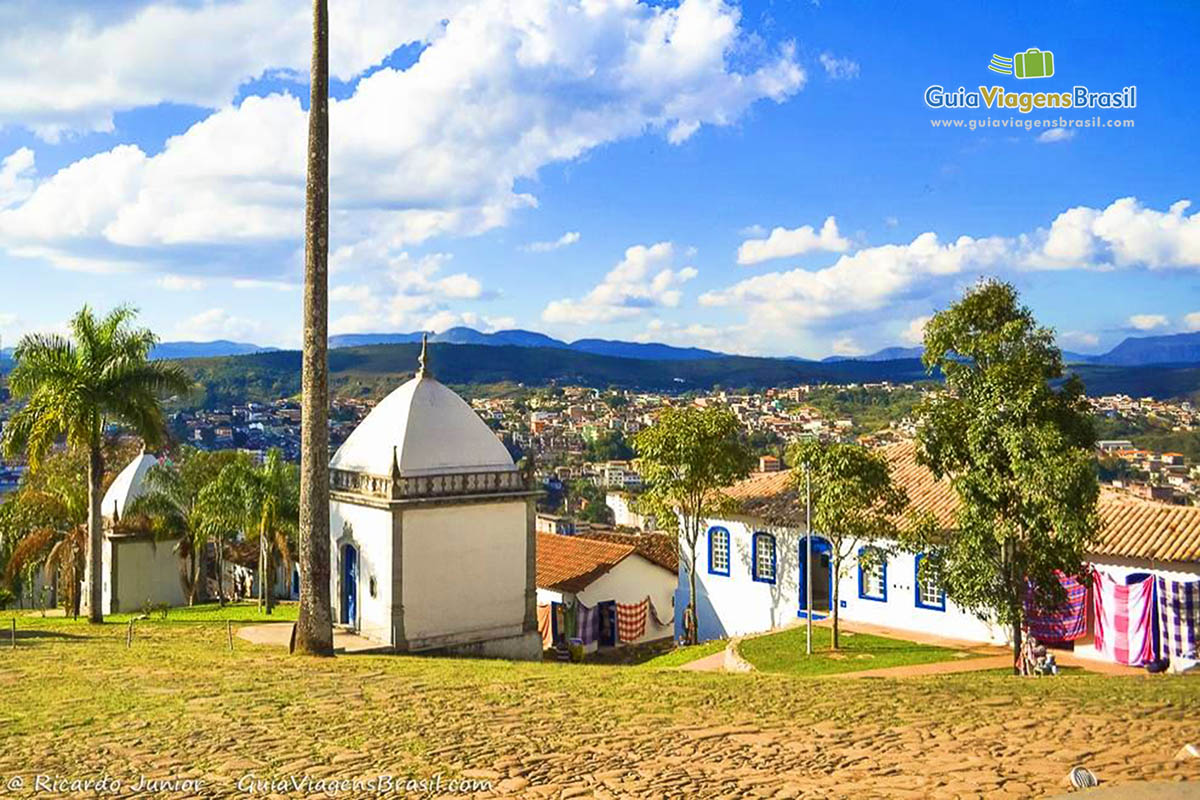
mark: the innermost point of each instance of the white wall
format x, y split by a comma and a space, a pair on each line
736, 604
145, 571
464, 570
370, 531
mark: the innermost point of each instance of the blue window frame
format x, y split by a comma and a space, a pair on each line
872, 581
762, 561
928, 594
718, 551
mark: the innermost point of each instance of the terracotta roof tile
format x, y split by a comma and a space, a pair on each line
1130, 527
655, 547
571, 563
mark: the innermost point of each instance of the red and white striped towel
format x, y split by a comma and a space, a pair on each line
631, 620
1124, 631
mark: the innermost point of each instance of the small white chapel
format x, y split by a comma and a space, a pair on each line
432, 529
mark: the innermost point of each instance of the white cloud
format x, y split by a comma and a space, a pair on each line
1124, 234
757, 231
16, 177
710, 337
891, 222
180, 283
839, 68
1192, 321
217, 323
72, 70
567, 239
502, 90
1147, 322
783, 243
644, 279
1052, 135
846, 346
914, 333
1073, 339
251, 284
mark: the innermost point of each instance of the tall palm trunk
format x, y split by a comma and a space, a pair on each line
94, 569
314, 626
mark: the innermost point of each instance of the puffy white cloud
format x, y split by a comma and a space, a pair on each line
645, 278
1147, 322
501, 90
217, 323
1192, 321
1052, 135
839, 69
914, 333
180, 283
846, 346
73, 69
1124, 234
16, 176
567, 239
1083, 339
783, 243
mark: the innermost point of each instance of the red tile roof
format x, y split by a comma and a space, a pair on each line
572, 563
658, 548
1130, 527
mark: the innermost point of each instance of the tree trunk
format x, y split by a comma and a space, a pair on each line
94, 567
691, 628
1008, 557
221, 570
833, 603
314, 625
270, 570
262, 573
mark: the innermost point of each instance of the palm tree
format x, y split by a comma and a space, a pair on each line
169, 503
74, 387
314, 626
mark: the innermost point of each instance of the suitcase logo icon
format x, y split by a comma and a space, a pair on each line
1033, 63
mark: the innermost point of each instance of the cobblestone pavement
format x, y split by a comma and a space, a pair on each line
77, 704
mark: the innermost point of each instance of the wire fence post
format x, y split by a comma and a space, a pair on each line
229, 633
14, 632
129, 635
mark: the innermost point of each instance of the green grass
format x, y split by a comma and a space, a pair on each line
245, 612
784, 652
679, 656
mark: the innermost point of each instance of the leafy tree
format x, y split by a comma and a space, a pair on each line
169, 505
586, 501
74, 387
854, 503
609, 446
314, 625
1016, 442
687, 457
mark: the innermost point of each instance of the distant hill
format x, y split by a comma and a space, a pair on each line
520, 338
644, 350
1178, 348
886, 354
220, 347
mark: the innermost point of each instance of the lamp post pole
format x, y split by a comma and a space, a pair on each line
808, 558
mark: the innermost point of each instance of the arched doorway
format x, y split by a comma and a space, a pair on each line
822, 575
349, 585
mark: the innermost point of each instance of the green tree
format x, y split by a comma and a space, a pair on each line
855, 505
314, 625
609, 446
687, 457
169, 504
1016, 442
74, 387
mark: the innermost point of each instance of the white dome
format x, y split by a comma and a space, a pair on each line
431, 430
126, 486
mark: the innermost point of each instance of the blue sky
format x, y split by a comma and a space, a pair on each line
596, 170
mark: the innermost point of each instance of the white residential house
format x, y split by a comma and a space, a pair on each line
432, 529
750, 572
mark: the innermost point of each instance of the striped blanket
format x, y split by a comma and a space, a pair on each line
544, 627
1064, 624
1124, 619
588, 623
1178, 614
631, 620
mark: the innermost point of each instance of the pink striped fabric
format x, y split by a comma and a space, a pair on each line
1124, 614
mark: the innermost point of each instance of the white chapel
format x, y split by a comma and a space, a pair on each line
432, 529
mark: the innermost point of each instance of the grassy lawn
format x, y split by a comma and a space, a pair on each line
244, 612
784, 652
75, 702
678, 656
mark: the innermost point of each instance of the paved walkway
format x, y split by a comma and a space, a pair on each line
279, 634
710, 663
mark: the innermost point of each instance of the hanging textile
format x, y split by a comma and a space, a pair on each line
1124, 619
659, 619
588, 622
1178, 615
1064, 624
544, 627
568, 628
631, 620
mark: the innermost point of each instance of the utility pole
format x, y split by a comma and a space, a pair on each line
808, 558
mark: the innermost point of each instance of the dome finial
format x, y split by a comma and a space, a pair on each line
423, 369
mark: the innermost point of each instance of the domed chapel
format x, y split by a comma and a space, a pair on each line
432, 529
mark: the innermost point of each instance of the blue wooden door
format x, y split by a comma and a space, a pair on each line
822, 578
349, 585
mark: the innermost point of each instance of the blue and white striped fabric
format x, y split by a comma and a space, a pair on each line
1178, 614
